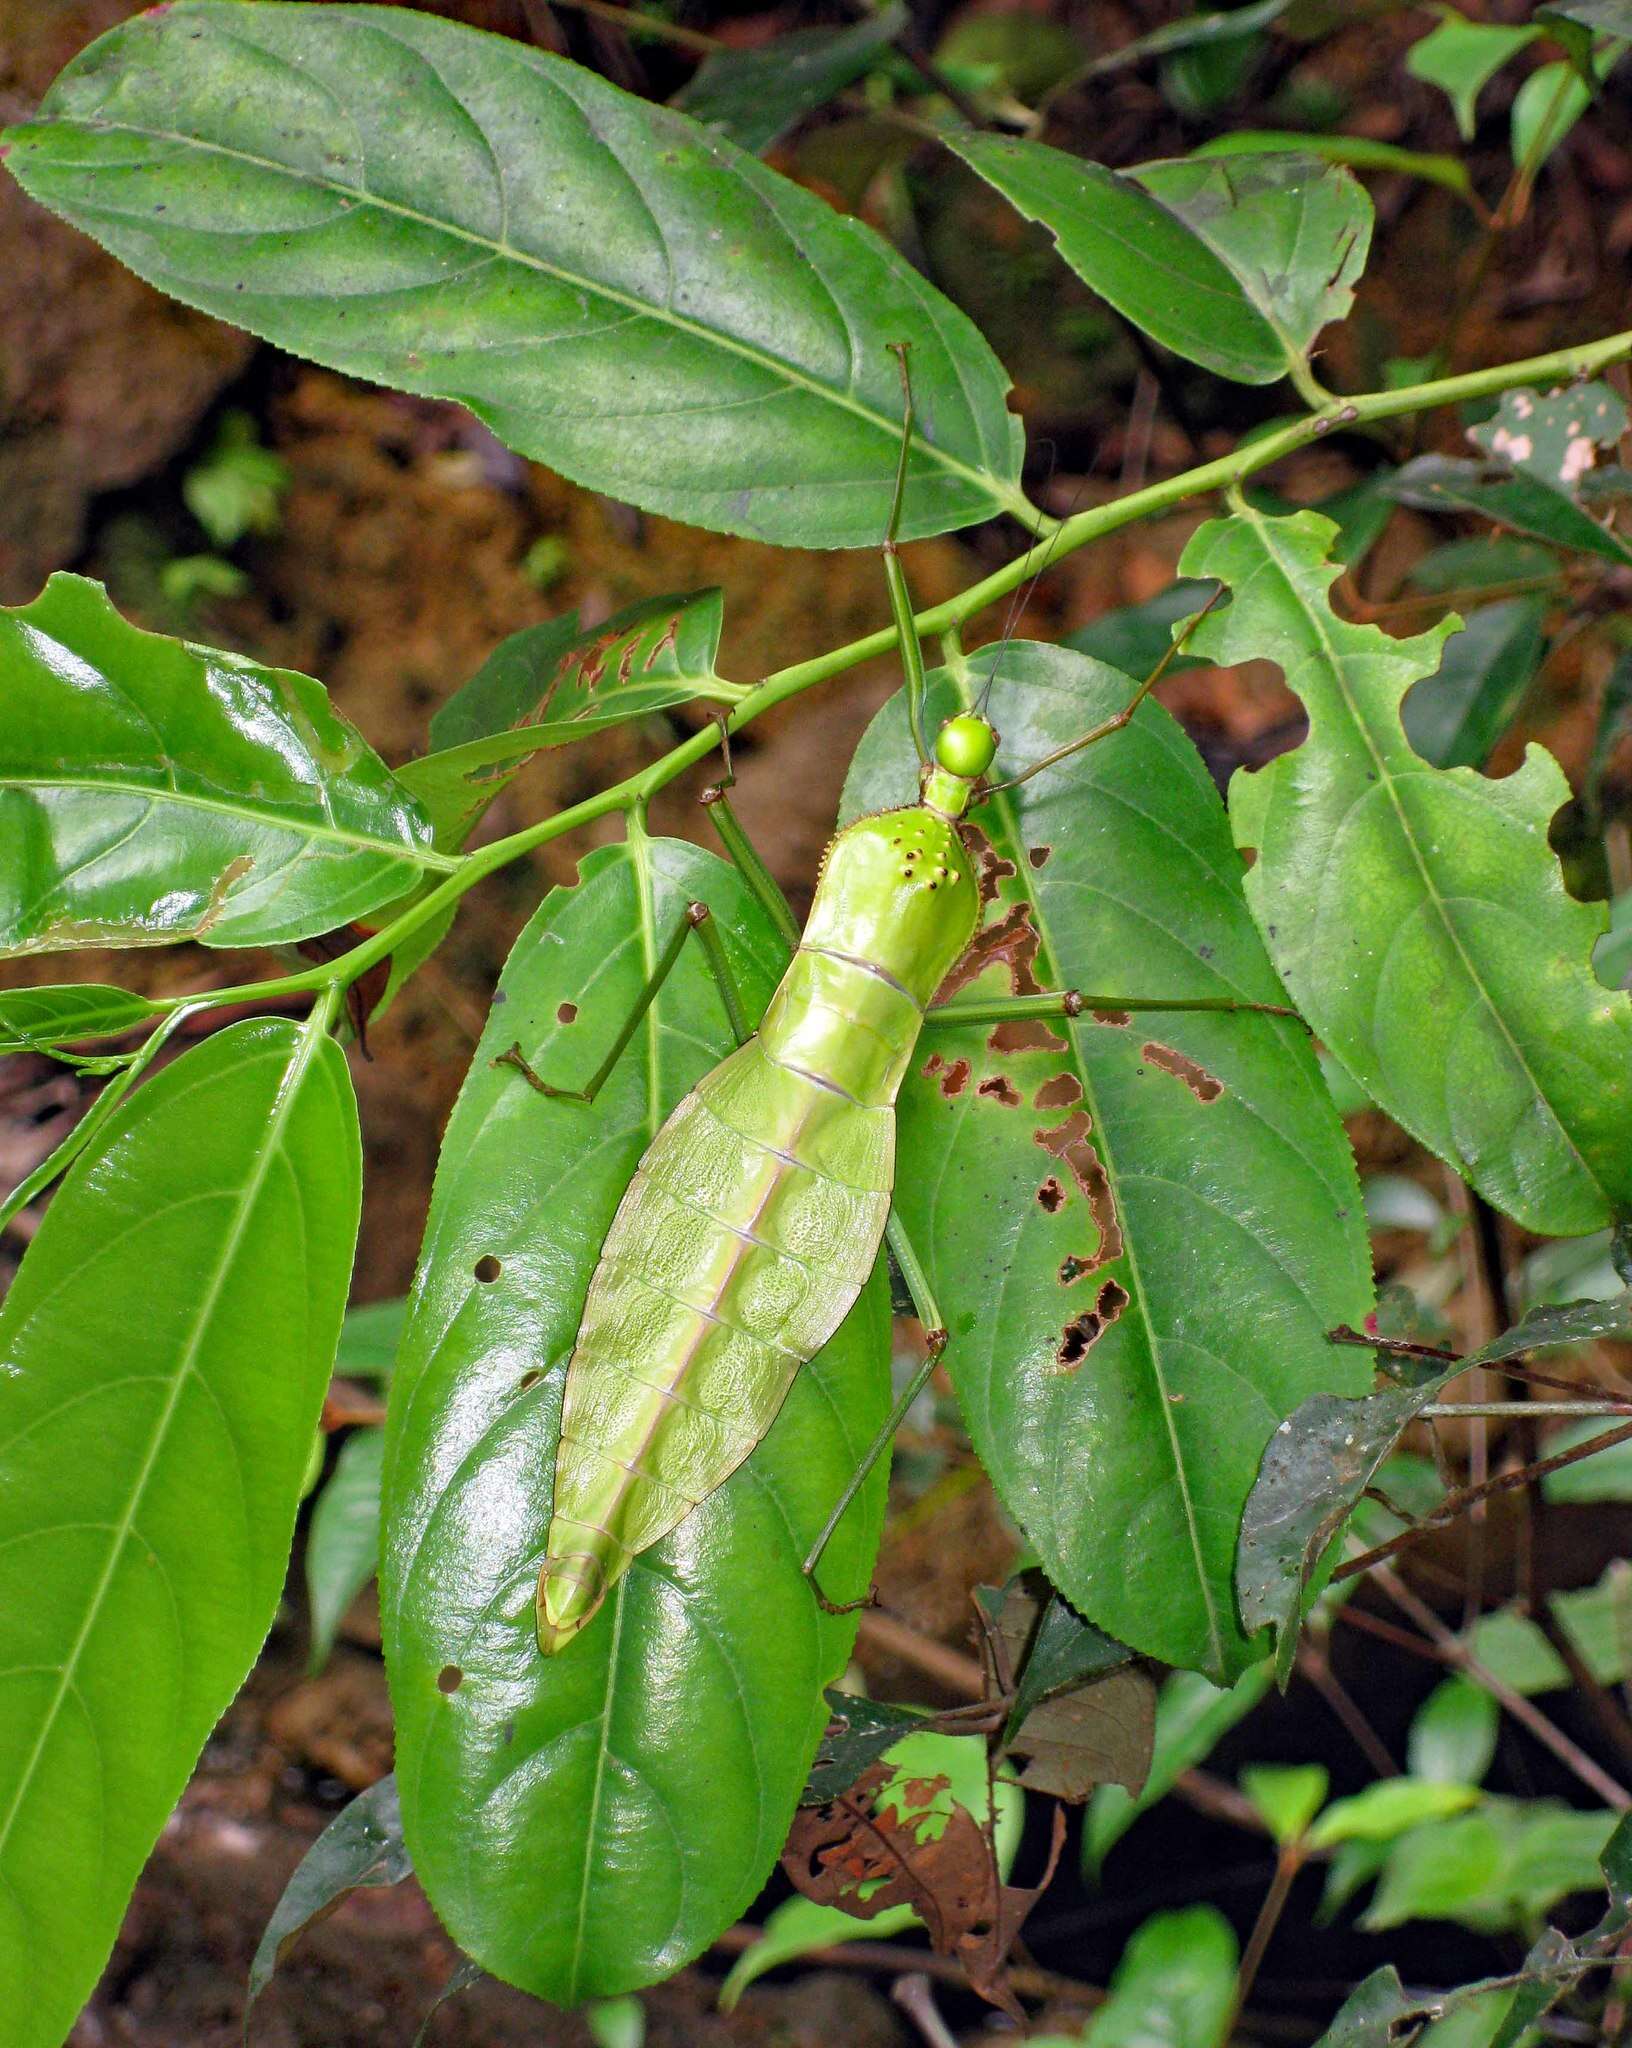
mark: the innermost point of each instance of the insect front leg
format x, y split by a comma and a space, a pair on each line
935, 1336
698, 921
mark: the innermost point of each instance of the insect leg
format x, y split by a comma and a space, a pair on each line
745, 859
923, 1300
1071, 1002
698, 919
906, 628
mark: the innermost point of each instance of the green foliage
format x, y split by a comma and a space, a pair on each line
1228, 265
1140, 1224
753, 96
343, 1542
712, 1647
1097, 1148
1462, 56
1487, 1036
266, 185
153, 791
1174, 1985
203, 1247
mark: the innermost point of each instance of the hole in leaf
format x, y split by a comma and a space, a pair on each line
488, 1269
449, 1678
566, 1013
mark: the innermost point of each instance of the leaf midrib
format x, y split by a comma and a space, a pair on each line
357, 842
289, 1088
1007, 495
1004, 805
1329, 652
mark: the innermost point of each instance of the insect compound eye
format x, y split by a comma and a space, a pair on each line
965, 746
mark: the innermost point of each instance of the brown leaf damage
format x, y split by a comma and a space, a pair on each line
1083, 1332
1203, 1086
887, 1843
1068, 1142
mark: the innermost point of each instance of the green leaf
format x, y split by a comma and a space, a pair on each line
1292, 230
1139, 1226
1605, 1476
1174, 1986
1454, 717
857, 1734
1133, 251
1545, 108
1553, 436
1191, 1718
1461, 57
1136, 637
611, 288
753, 96
616, 2022
1322, 1458
587, 1822
163, 1354
799, 1925
41, 1019
1359, 152
360, 1849
238, 487
1419, 916
549, 685
1062, 1651
1453, 1733
1389, 1808
151, 791
343, 1542
1598, 1619
1476, 564
1287, 1796
369, 1338
1446, 482
1200, 30
1498, 1868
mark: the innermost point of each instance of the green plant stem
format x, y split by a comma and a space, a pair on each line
1582, 360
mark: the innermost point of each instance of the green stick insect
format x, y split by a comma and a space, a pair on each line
756, 1213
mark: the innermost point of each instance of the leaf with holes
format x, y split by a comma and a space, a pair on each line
610, 287
163, 1355
1512, 499
1138, 1225
661, 1755
1418, 915
1554, 437
152, 790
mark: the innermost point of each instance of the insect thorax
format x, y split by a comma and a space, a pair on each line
897, 890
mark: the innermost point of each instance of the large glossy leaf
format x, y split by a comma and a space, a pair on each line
151, 790
612, 288
1293, 231
752, 96
1418, 915
163, 1355
1139, 1226
1139, 257
587, 1822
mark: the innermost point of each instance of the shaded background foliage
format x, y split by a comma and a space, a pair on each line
389, 543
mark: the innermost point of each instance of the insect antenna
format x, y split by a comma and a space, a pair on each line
1026, 591
1117, 719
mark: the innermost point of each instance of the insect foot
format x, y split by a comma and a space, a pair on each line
570, 1592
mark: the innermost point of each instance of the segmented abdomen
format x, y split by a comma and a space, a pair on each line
744, 1237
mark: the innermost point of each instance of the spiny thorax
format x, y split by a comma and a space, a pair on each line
895, 908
